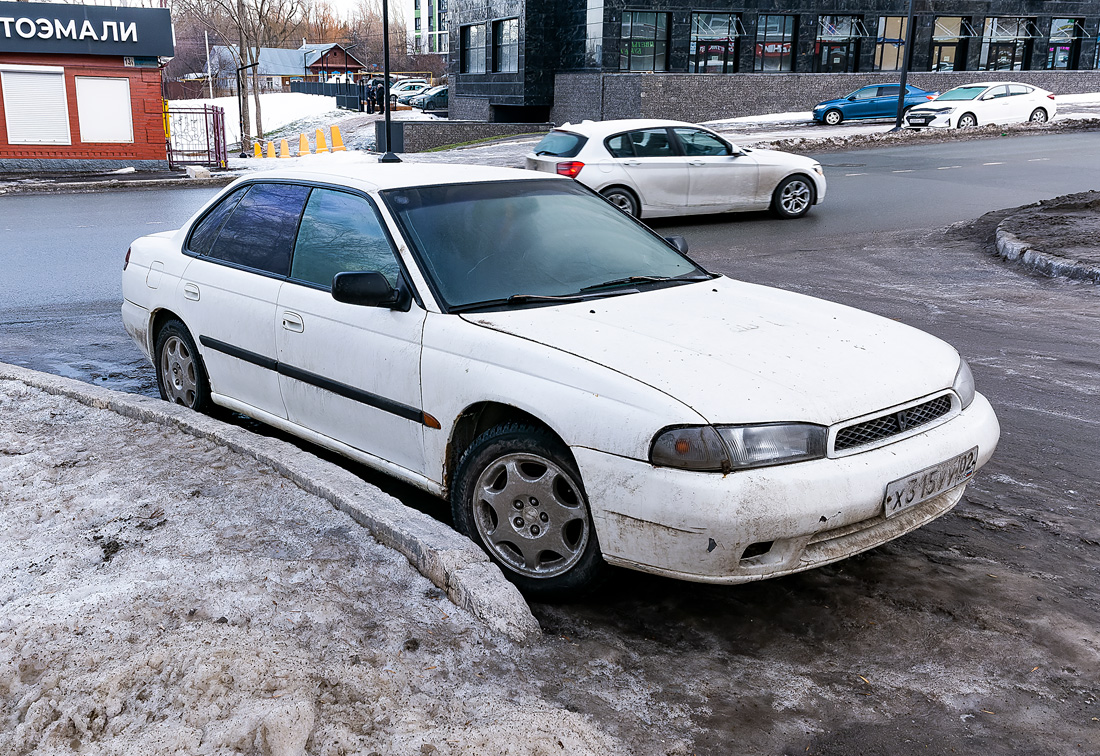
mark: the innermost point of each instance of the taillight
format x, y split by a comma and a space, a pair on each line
570, 169
1050, 97
930, 97
127, 260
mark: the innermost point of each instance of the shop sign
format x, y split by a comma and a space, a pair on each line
85, 30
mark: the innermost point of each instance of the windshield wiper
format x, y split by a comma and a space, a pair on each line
641, 279
517, 299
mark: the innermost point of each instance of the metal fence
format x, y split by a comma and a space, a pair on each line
196, 136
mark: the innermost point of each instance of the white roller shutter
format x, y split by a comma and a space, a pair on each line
103, 109
34, 107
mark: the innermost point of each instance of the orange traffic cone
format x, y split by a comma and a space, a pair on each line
337, 140
303, 145
271, 149
284, 149
257, 150
321, 146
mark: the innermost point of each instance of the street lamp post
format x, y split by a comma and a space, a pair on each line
905, 66
387, 155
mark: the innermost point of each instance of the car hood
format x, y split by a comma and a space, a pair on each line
829, 103
742, 353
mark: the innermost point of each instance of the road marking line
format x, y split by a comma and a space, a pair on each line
908, 171
1037, 160
992, 163
855, 174
948, 167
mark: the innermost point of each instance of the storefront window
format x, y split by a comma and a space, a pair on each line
836, 49
1064, 47
714, 42
472, 39
506, 45
774, 44
1006, 44
890, 43
644, 42
949, 44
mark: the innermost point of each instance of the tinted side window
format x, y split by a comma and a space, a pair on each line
866, 93
620, 146
889, 91
261, 231
340, 232
1018, 89
998, 92
207, 229
651, 143
697, 142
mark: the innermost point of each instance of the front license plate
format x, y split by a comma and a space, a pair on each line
930, 482
919, 121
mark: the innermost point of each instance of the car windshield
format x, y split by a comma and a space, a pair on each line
560, 144
962, 93
507, 243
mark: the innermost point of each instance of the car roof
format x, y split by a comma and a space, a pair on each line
370, 177
598, 129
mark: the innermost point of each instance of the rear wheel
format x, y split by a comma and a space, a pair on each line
622, 199
181, 376
793, 197
967, 121
1039, 115
832, 117
518, 495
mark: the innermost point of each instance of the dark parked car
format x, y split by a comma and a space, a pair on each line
874, 101
431, 99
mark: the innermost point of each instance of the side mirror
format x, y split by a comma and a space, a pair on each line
366, 289
679, 242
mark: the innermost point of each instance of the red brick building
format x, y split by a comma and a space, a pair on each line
80, 87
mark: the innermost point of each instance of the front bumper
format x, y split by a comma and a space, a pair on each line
697, 526
939, 121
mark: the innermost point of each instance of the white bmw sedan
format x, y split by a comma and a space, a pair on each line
984, 103
654, 168
582, 392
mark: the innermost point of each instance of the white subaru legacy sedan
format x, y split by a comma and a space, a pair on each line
582, 392
651, 168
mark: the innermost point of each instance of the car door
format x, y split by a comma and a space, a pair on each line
1020, 103
996, 106
719, 177
863, 103
228, 293
349, 372
656, 169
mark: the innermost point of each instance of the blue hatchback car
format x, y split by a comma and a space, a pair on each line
873, 101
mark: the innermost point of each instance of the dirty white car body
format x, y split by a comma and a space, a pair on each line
984, 103
865, 428
653, 168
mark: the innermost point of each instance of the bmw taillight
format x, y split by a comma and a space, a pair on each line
1050, 97
127, 260
570, 169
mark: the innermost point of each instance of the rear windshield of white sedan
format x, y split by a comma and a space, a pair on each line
508, 243
962, 93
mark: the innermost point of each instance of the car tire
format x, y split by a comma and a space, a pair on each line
967, 121
518, 495
1039, 115
181, 375
832, 117
793, 197
621, 198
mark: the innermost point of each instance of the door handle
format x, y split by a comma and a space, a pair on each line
293, 322
191, 291
632, 163
696, 162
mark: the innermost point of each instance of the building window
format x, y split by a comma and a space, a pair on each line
416, 4
506, 45
416, 23
837, 47
1064, 47
35, 108
473, 49
949, 44
890, 43
714, 42
1006, 44
774, 44
593, 39
644, 42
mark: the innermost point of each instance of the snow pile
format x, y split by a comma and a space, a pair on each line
186, 599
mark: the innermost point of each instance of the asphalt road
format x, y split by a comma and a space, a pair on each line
977, 633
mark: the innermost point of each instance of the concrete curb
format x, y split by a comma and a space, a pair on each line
1012, 248
451, 561
115, 185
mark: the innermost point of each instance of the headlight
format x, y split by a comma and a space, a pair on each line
818, 169
964, 384
737, 447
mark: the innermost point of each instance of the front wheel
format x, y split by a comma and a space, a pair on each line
1038, 116
967, 121
622, 199
832, 117
518, 495
181, 376
793, 197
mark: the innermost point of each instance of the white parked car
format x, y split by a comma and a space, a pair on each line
984, 103
651, 168
408, 87
580, 390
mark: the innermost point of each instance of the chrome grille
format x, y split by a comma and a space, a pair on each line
891, 425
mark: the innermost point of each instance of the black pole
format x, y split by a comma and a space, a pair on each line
387, 156
905, 66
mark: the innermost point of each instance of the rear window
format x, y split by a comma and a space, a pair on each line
560, 144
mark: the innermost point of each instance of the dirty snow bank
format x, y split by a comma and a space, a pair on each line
186, 599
